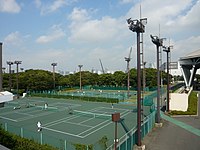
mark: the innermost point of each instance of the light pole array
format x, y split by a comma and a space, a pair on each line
54, 79
158, 42
80, 66
10, 63
138, 27
17, 63
167, 50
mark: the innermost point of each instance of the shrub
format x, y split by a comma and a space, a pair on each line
83, 98
15, 142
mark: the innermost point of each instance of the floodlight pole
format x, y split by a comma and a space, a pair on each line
138, 27
80, 66
167, 50
158, 42
10, 80
1, 72
54, 79
17, 63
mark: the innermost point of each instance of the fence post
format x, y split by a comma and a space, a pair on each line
6, 127
41, 138
22, 134
65, 145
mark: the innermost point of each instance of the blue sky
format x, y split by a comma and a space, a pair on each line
73, 32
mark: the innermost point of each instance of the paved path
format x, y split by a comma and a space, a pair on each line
3, 148
178, 133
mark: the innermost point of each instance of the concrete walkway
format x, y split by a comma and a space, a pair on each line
3, 147
177, 133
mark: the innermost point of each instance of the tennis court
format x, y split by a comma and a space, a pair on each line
67, 122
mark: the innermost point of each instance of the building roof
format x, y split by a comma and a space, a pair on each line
193, 54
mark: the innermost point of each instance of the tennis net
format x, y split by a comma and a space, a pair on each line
91, 114
42, 107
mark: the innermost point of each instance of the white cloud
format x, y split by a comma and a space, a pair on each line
85, 29
55, 33
14, 38
47, 8
126, 1
79, 15
9, 6
38, 3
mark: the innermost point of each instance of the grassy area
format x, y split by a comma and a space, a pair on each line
192, 106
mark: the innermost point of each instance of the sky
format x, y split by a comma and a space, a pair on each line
73, 32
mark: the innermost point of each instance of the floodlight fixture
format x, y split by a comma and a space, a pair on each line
54, 64
17, 62
137, 25
156, 40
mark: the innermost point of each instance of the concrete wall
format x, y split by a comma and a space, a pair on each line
179, 101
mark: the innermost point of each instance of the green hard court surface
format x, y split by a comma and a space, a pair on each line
72, 120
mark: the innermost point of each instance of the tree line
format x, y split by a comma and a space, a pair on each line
43, 80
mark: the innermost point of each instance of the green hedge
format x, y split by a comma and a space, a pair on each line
192, 106
83, 98
15, 142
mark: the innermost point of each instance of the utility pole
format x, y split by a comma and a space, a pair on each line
138, 27
128, 59
10, 80
80, 66
17, 63
167, 50
1, 73
158, 42
54, 78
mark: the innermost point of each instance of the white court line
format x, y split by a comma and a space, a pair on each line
60, 120
86, 120
35, 116
63, 120
66, 133
94, 127
102, 126
79, 124
8, 119
17, 112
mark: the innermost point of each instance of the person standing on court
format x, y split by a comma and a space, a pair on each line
39, 125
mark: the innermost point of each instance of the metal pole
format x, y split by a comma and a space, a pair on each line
17, 81
128, 84
138, 91
116, 135
17, 63
1, 74
80, 76
167, 81
54, 84
54, 79
10, 80
158, 86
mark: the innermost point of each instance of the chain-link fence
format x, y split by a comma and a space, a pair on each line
126, 142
